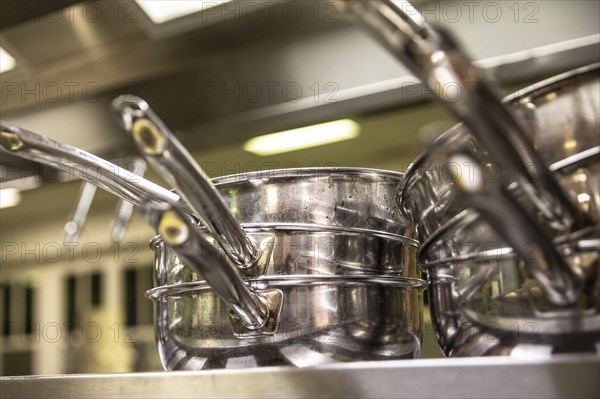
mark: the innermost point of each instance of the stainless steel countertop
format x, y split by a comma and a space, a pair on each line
492, 377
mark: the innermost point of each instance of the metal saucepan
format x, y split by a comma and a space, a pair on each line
322, 320
483, 298
340, 284
324, 242
498, 206
274, 320
347, 293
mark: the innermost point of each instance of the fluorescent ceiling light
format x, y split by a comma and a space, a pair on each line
9, 197
161, 11
304, 137
7, 61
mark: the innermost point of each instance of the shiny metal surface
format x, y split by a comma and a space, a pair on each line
559, 377
323, 320
177, 166
433, 55
322, 220
181, 233
493, 315
329, 244
308, 250
563, 115
519, 229
327, 196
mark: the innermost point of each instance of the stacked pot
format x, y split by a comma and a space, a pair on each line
501, 281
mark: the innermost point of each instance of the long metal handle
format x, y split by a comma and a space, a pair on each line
81, 164
518, 228
79, 214
179, 232
176, 165
436, 58
124, 209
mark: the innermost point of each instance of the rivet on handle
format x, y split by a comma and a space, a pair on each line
149, 137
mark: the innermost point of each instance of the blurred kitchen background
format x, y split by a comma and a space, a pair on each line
218, 75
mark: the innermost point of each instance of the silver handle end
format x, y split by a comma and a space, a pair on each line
127, 108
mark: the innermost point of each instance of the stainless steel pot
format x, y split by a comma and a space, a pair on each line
331, 278
348, 293
483, 298
272, 319
345, 197
345, 217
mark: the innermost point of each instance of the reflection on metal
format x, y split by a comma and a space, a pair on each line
302, 356
241, 362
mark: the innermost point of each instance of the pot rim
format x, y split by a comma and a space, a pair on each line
292, 281
578, 241
504, 253
308, 227
269, 174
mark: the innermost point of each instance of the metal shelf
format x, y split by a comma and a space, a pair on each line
492, 377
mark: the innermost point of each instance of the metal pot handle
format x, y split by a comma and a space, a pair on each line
518, 228
81, 164
435, 57
179, 231
79, 213
124, 208
176, 165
